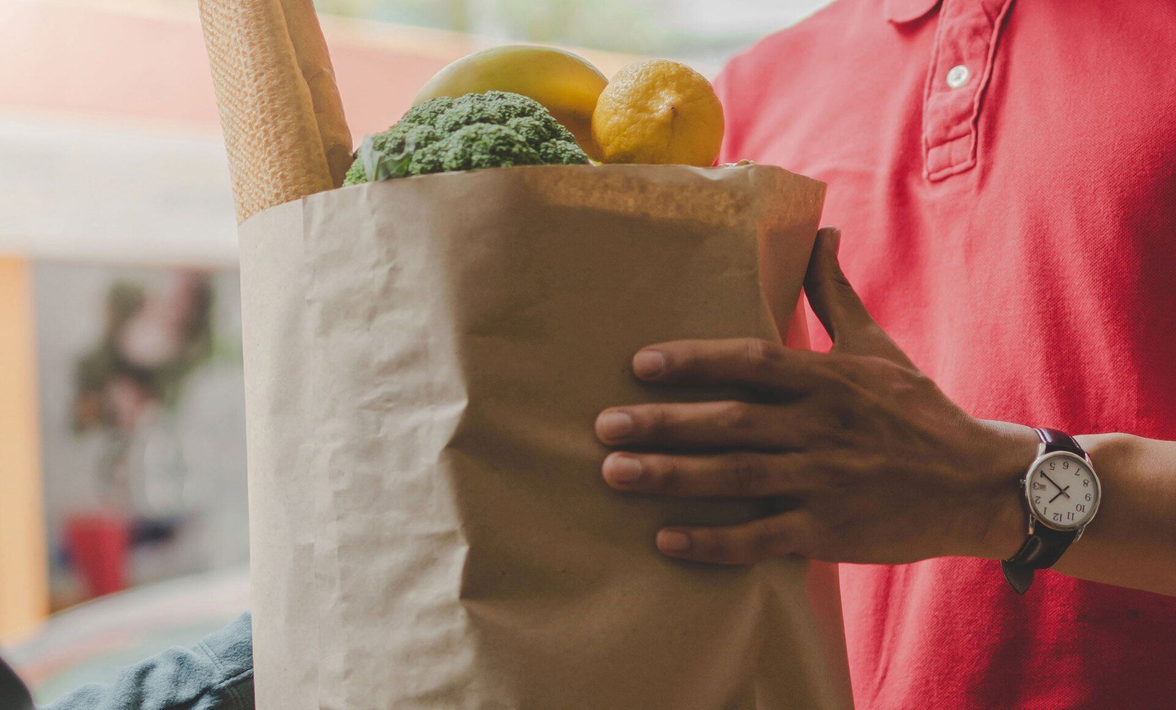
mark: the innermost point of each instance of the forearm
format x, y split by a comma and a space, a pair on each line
216, 674
1132, 540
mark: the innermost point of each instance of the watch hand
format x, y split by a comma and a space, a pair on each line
1061, 492
1043, 473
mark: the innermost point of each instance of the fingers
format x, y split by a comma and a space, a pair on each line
762, 539
741, 475
838, 307
742, 362
829, 292
704, 425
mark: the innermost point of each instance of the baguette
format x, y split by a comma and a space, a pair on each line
267, 108
315, 62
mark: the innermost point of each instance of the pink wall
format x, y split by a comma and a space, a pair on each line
94, 62
149, 63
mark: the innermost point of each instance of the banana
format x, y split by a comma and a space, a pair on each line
566, 84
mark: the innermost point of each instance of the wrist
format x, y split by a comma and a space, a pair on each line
1012, 450
1105, 450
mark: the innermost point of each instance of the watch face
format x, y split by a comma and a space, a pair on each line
1063, 491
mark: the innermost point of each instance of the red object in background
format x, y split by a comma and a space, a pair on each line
98, 544
1004, 175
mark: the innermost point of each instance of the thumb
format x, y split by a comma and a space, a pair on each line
829, 292
835, 303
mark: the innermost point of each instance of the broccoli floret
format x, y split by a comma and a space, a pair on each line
489, 130
540, 129
355, 174
427, 113
561, 153
482, 145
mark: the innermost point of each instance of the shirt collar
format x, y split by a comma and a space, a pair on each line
902, 11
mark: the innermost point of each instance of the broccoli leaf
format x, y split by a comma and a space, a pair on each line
378, 165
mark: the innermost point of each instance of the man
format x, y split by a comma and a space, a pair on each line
1005, 177
1006, 180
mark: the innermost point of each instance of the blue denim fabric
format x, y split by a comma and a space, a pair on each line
215, 675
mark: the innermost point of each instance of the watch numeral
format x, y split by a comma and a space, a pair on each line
1080, 508
1088, 496
1037, 499
1039, 486
1057, 517
1052, 464
1069, 516
1066, 464
1086, 483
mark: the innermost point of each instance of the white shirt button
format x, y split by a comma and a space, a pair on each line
958, 76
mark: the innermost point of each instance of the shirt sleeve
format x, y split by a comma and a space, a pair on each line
216, 674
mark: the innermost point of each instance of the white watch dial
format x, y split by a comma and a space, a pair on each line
1063, 490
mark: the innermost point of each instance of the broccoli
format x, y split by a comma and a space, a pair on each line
495, 129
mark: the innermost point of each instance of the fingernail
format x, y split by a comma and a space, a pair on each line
622, 469
614, 425
649, 363
673, 541
835, 239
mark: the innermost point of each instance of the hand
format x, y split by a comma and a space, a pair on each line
1061, 491
867, 460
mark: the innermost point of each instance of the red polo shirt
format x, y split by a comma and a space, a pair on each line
1004, 175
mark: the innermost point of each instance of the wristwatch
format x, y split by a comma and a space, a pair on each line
1062, 494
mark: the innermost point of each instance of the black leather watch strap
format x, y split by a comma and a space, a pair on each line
1055, 440
1041, 550
1045, 546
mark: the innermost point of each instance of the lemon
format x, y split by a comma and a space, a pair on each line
658, 111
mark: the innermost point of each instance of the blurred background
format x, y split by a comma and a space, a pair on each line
122, 448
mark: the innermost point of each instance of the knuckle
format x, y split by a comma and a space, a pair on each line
766, 541
665, 473
760, 355
714, 547
833, 279
841, 282
791, 472
738, 416
920, 382
655, 422
682, 358
748, 475
834, 418
874, 368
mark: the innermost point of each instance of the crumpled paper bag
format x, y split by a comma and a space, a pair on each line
424, 360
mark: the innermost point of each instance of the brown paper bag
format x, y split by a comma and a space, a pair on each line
424, 361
